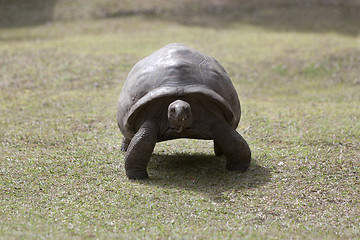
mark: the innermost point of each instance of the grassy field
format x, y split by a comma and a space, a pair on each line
61, 170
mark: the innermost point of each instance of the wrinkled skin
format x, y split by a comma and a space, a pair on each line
188, 117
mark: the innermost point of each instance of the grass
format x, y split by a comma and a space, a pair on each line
61, 170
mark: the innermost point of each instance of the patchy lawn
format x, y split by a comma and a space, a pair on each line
61, 170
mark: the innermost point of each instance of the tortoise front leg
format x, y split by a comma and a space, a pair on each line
140, 149
233, 146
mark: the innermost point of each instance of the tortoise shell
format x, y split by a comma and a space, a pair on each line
175, 71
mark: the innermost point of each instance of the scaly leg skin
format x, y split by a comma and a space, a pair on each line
140, 149
217, 149
125, 144
233, 145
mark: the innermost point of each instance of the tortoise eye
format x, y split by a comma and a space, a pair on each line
173, 110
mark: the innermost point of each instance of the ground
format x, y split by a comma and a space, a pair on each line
61, 168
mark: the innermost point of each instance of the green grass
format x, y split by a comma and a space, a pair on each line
61, 170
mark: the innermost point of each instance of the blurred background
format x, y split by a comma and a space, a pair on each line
280, 14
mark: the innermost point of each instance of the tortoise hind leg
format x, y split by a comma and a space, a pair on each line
140, 149
233, 145
125, 144
217, 149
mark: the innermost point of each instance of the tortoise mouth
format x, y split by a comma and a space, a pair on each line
177, 119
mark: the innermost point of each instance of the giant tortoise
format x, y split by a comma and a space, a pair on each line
178, 92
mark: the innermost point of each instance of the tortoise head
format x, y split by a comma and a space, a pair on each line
179, 115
